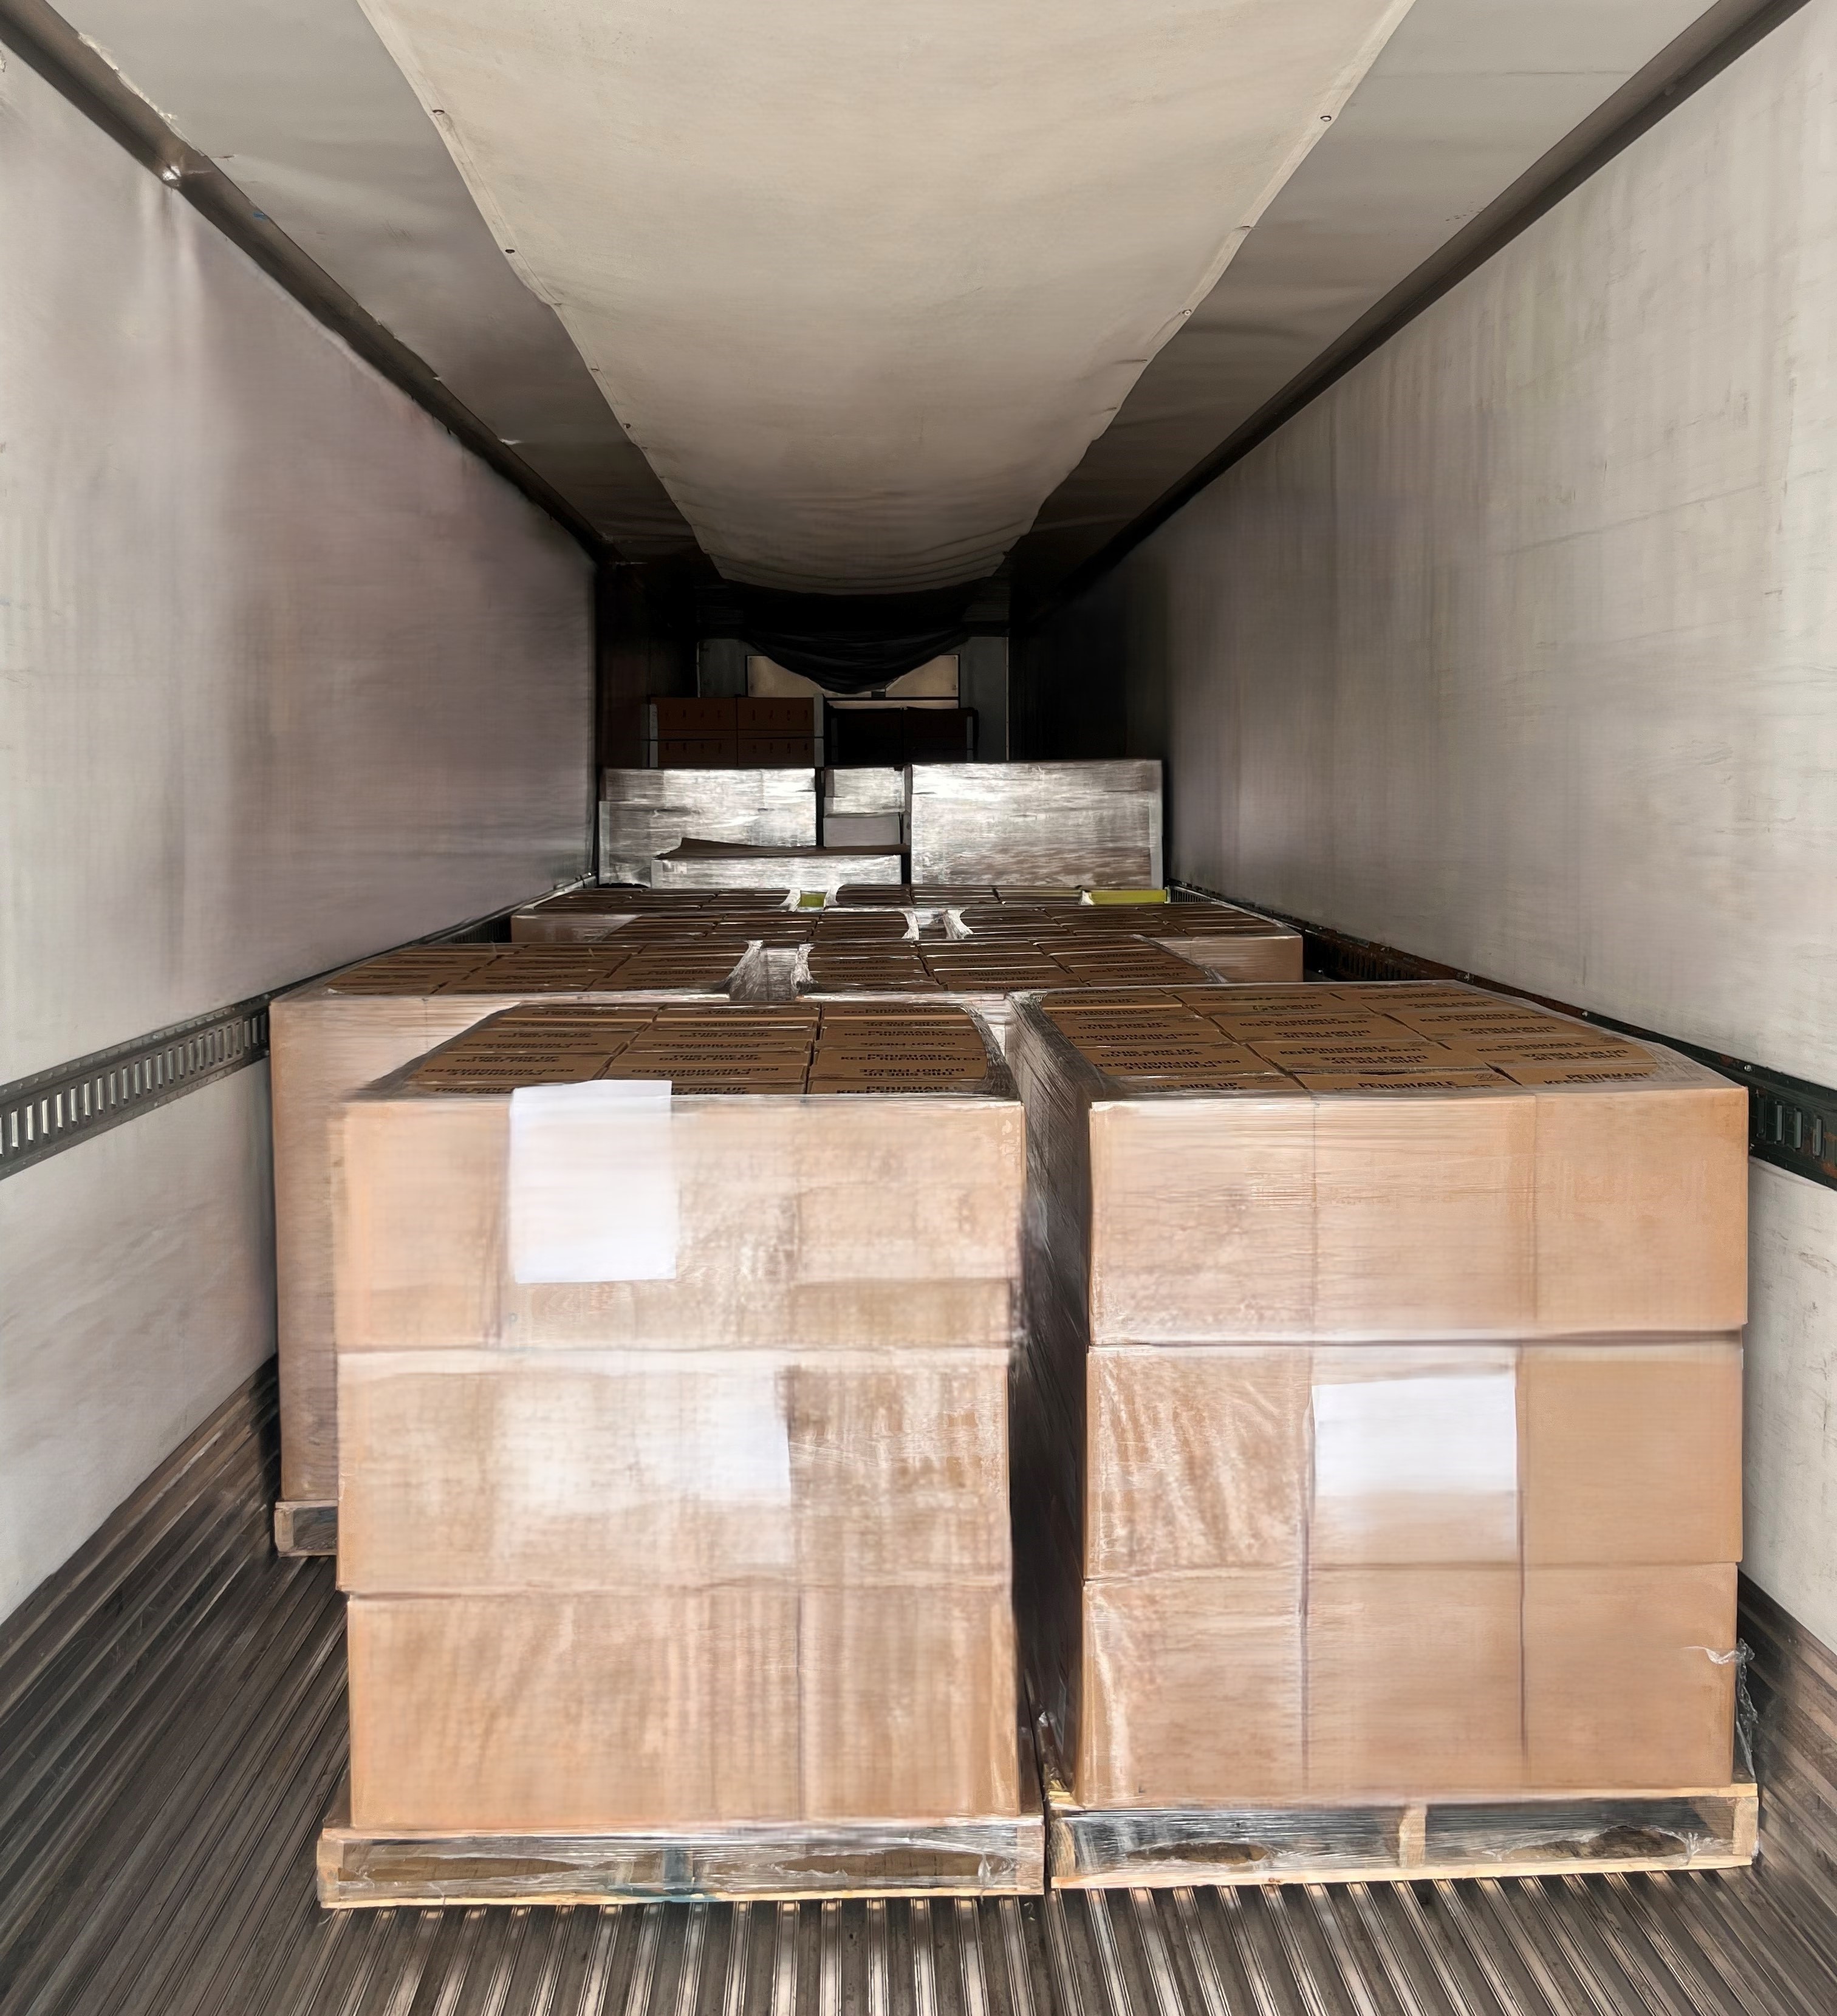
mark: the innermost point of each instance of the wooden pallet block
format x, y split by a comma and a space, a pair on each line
304, 1526
943, 1859
1564, 1833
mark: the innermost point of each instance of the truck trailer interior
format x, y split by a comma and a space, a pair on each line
911, 931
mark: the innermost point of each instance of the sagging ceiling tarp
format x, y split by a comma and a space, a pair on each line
863, 282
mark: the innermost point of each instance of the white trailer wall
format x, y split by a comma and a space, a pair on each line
286, 675
1518, 649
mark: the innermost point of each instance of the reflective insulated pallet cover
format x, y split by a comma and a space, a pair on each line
644, 813
1096, 825
695, 863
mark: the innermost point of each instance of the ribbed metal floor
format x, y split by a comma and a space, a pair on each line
171, 1729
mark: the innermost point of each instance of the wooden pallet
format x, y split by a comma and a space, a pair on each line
304, 1526
1565, 1834
986, 1858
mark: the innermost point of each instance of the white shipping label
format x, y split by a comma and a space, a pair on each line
673, 1435
593, 1183
1442, 1433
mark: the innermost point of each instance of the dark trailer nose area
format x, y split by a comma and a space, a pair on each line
913, 1092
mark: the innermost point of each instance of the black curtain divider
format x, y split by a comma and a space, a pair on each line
847, 643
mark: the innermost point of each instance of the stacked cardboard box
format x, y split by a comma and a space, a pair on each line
986, 975
716, 732
644, 813
585, 917
1092, 824
328, 1039
673, 1353
1380, 1430
1232, 943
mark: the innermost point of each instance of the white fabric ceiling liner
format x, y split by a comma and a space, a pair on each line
863, 281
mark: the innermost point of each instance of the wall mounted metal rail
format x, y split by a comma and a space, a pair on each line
54, 1109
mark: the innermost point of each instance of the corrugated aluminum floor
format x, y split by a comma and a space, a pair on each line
172, 1728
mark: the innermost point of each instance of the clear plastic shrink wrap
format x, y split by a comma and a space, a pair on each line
644, 813
328, 1039
1030, 824
674, 1347
696, 863
1379, 1429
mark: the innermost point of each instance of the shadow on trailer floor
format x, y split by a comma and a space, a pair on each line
172, 1731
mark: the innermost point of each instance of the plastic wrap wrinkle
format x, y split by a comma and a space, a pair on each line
593, 1183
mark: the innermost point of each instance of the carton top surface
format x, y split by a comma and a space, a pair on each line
719, 1048
1378, 1037
700, 964
1001, 966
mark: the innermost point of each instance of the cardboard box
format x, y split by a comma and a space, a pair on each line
757, 717
696, 752
1198, 1460
1631, 1452
1414, 1681
508, 1472
789, 1227
677, 1709
700, 714
1630, 1677
1192, 1691
771, 751
1451, 1203
906, 1704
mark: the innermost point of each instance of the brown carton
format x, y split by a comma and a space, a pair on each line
1413, 1680
1642, 1211
1193, 1690
503, 1472
906, 1703
1630, 1677
1198, 1460
1422, 1214
677, 1709
796, 1221
1631, 1452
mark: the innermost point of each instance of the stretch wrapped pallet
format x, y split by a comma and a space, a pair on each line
645, 813
1097, 825
673, 1401
1379, 1430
